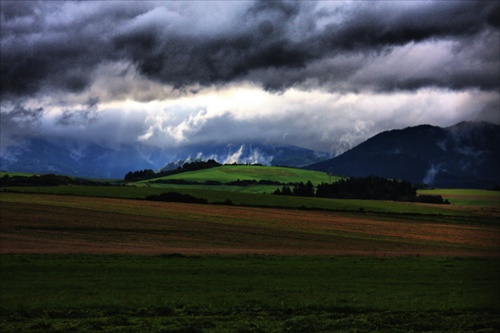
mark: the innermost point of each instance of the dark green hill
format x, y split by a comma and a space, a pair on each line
466, 155
232, 173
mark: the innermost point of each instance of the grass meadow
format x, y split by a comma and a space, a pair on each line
467, 197
247, 293
246, 199
230, 173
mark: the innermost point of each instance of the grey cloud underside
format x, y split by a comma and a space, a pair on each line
274, 44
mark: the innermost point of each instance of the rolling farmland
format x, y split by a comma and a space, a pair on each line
101, 258
62, 224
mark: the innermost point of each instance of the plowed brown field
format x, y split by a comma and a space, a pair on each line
66, 224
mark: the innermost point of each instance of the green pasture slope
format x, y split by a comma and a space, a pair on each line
231, 173
248, 293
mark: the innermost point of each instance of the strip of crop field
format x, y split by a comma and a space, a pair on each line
252, 199
467, 197
61, 224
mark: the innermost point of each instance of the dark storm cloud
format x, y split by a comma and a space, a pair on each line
179, 59
54, 45
19, 122
47, 46
395, 24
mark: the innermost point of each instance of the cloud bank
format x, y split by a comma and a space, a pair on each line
321, 75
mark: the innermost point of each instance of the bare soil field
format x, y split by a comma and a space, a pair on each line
70, 224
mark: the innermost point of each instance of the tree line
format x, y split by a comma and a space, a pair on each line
134, 176
370, 188
46, 180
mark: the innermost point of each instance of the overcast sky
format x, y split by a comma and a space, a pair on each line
320, 75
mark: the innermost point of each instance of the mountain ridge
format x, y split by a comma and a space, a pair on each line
463, 155
94, 161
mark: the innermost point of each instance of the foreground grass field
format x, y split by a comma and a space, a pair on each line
101, 259
171, 293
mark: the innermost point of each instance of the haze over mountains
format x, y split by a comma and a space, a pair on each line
90, 160
466, 155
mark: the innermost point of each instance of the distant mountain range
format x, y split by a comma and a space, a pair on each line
251, 153
94, 161
466, 155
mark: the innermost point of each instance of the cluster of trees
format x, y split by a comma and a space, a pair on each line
185, 198
199, 165
176, 197
133, 176
433, 199
373, 188
45, 180
299, 189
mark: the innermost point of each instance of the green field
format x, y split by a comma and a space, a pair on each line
467, 197
229, 173
232, 173
172, 293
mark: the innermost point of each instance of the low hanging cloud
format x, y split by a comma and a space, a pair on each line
321, 75
323, 121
